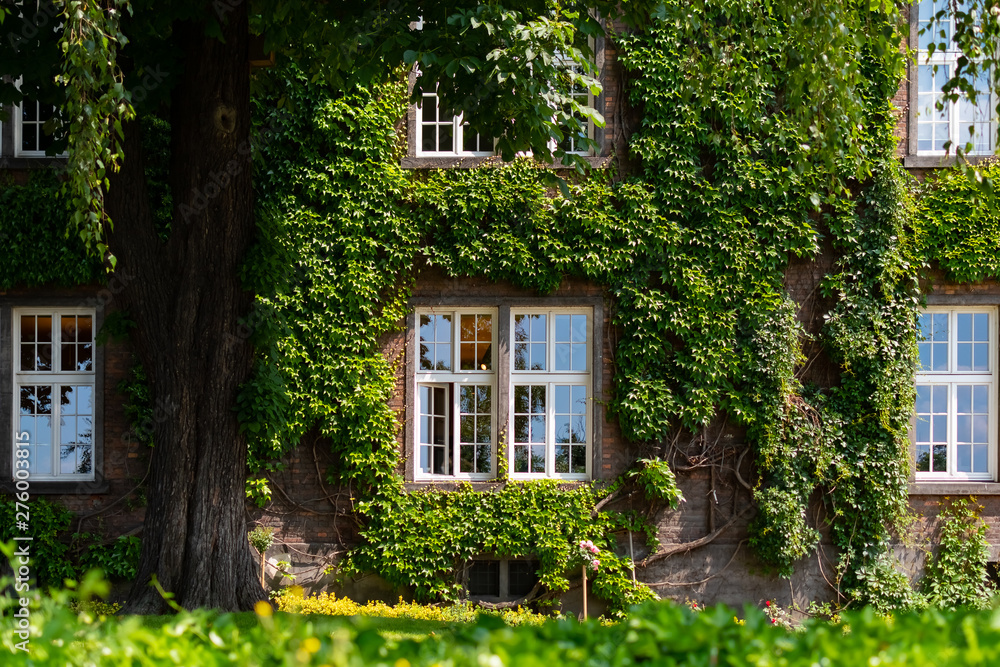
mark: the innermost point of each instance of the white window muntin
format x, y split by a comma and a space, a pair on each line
451, 383
29, 113
962, 376
433, 130
68, 420
550, 417
584, 97
953, 121
551, 379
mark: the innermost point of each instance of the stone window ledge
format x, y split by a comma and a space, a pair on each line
471, 162
954, 489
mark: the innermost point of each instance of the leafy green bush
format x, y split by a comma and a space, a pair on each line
655, 634
50, 553
330, 605
119, 560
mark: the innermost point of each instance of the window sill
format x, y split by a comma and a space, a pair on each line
484, 486
51, 488
470, 162
32, 162
955, 488
934, 161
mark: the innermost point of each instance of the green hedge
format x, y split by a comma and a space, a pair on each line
655, 634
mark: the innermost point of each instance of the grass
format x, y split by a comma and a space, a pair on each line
396, 629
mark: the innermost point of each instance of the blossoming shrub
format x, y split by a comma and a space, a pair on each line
330, 605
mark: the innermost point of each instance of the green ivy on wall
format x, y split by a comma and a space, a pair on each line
38, 247
692, 251
957, 227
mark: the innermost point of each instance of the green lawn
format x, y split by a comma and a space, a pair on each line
391, 628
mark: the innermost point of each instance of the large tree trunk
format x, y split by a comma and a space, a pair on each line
186, 298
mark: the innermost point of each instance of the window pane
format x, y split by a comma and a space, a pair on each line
28, 357
570, 343
29, 137
484, 578
964, 322
537, 458
923, 403
432, 420
435, 342
476, 432
924, 345
522, 576
923, 458
476, 342
529, 428
27, 328
520, 458
940, 462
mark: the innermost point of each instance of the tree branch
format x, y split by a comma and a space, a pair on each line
689, 546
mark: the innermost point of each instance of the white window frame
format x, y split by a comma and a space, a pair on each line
571, 64
943, 62
56, 378
551, 378
458, 129
952, 378
452, 381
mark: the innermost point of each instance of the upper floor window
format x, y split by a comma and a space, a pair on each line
444, 134
959, 122
571, 142
33, 127
956, 427
54, 386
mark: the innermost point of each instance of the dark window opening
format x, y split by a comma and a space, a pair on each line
484, 578
523, 575
993, 574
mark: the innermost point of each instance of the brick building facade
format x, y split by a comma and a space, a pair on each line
313, 518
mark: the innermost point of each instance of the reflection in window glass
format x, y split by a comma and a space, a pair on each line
433, 430
36, 421
475, 429
933, 345
435, 342
570, 428
529, 428
571, 343
932, 428
972, 420
529, 342
76, 429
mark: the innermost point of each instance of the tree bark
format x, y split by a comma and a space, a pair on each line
186, 298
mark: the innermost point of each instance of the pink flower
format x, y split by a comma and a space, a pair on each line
593, 549
595, 564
